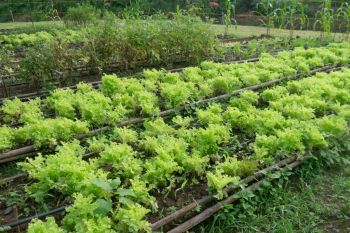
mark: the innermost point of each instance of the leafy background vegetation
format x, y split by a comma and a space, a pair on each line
35, 10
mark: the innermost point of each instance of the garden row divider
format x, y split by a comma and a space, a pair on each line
179, 213
11, 155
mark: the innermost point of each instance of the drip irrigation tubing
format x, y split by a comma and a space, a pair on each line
12, 154
28, 219
166, 220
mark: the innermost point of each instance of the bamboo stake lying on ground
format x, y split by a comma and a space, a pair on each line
205, 200
171, 217
215, 208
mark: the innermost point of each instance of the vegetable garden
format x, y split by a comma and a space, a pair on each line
155, 125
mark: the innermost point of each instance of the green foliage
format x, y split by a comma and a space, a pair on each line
52, 57
195, 163
63, 102
218, 181
49, 132
64, 172
160, 169
94, 106
168, 154
130, 219
207, 140
120, 98
38, 226
83, 216
234, 167
157, 127
182, 121
97, 145
125, 135
212, 115
141, 193
6, 138
177, 94
16, 110
250, 96
81, 15
325, 17
122, 158
130, 94
333, 126
274, 93
306, 116
156, 75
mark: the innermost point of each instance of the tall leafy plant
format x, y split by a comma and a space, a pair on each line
343, 16
267, 9
304, 19
325, 18
230, 7
292, 12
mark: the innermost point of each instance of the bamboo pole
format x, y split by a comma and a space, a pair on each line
207, 199
165, 220
215, 208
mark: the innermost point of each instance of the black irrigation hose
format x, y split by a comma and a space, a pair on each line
11, 155
30, 218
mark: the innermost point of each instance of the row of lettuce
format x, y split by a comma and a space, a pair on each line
54, 58
303, 117
66, 112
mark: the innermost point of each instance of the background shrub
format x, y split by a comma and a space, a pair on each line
82, 15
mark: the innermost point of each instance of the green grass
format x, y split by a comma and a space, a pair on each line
320, 204
246, 31
19, 25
